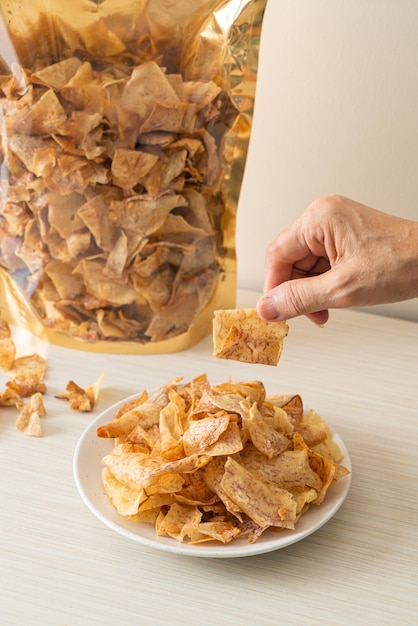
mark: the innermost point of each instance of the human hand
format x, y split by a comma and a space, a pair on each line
339, 254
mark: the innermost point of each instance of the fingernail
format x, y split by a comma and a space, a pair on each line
269, 308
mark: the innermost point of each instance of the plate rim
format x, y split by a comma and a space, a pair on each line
284, 539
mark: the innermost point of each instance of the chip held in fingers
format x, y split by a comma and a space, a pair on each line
241, 335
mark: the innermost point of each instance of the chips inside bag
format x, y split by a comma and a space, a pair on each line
124, 130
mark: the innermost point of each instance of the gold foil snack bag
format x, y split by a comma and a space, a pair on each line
124, 133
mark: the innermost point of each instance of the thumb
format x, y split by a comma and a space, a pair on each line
301, 296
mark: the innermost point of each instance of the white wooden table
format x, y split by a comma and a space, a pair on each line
60, 566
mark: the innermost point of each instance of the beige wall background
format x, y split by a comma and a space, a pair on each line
336, 112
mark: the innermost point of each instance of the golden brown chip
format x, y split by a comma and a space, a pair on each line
324, 467
31, 367
177, 520
4, 330
9, 397
129, 167
230, 442
203, 433
241, 335
265, 504
267, 439
57, 75
27, 387
125, 500
81, 399
141, 471
29, 422
7, 353
290, 470
291, 404
218, 530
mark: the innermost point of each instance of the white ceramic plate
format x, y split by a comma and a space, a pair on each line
87, 473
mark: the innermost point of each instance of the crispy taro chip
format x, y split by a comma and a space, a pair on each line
264, 436
32, 367
26, 388
29, 420
7, 347
57, 75
323, 466
203, 433
290, 470
125, 500
240, 335
9, 397
291, 404
142, 471
177, 520
265, 504
81, 399
142, 411
130, 167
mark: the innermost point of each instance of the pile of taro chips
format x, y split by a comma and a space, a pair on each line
124, 131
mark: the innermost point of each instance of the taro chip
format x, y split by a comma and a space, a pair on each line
47, 116
57, 75
212, 531
166, 483
81, 399
291, 404
27, 387
230, 442
7, 347
241, 335
177, 520
265, 438
29, 419
4, 330
148, 84
129, 167
323, 444
31, 367
324, 467
290, 470
171, 429
265, 504
7, 353
125, 421
10, 397
141, 471
203, 433
125, 500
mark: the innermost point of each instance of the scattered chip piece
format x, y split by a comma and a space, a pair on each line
241, 335
29, 419
81, 399
32, 367
7, 347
